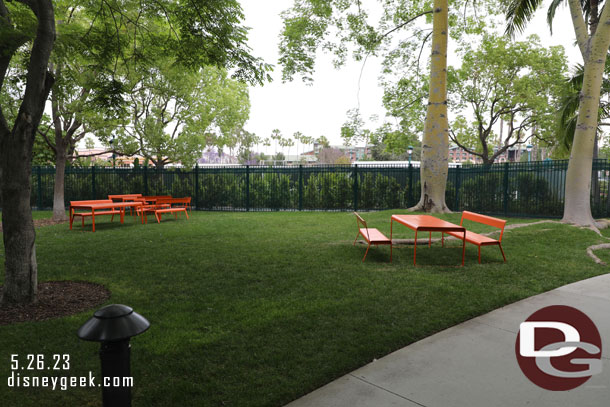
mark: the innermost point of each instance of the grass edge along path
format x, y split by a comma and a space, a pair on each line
258, 309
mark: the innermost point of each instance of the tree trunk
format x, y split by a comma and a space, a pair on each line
20, 283
21, 272
435, 143
59, 207
577, 206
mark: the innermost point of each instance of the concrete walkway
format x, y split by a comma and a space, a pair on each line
474, 363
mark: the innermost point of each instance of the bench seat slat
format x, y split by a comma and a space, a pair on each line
158, 212
374, 236
474, 238
97, 213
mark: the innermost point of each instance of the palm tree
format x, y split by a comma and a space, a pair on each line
593, 43
276, 135
300, 138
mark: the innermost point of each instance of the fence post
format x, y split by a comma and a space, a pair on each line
605, 172
39, 179
146, 178
506, 188
355, 176
93, 182
247, 188
458, 185
410, 203
300, 187
197, 186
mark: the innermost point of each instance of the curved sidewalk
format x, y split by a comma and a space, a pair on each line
474, 363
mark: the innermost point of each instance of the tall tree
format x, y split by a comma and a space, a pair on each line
435, 141
591, 22
518, 84
308, 24
17, 140
174, 114
78, 104
276, 135
200, 32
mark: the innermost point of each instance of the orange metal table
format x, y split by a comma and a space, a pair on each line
427, 223
128, 198
97, 206
124, 197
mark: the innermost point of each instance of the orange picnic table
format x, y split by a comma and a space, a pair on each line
127, 198
427, 223
100, 206
124, 197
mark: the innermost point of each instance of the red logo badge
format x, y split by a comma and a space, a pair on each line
559, 348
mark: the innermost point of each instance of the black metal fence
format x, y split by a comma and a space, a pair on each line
515, 189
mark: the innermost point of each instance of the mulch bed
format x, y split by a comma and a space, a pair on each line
56, 298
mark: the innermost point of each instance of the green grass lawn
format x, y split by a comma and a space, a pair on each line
257, 309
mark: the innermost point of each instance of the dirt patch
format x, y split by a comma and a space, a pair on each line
42, 222
57, 299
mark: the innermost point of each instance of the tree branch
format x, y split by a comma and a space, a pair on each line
580, 28
46, 138
91, 155
454, 138
398, 27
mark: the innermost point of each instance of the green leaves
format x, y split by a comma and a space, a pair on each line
517, 82
175, 113
519, 13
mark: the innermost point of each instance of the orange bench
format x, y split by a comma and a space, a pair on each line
371, 236
164, 205
153, 198
83, 215
478, 239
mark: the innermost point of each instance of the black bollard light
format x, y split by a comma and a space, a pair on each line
113, 326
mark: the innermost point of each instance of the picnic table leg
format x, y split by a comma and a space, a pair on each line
463, 247
367, 252
443, 239
122, 214
92, 219
71, 217
500, 246
391, 223
415, 249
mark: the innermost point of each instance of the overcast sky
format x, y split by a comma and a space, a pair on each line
320, 109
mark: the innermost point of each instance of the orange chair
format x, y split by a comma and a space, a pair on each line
371, 236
